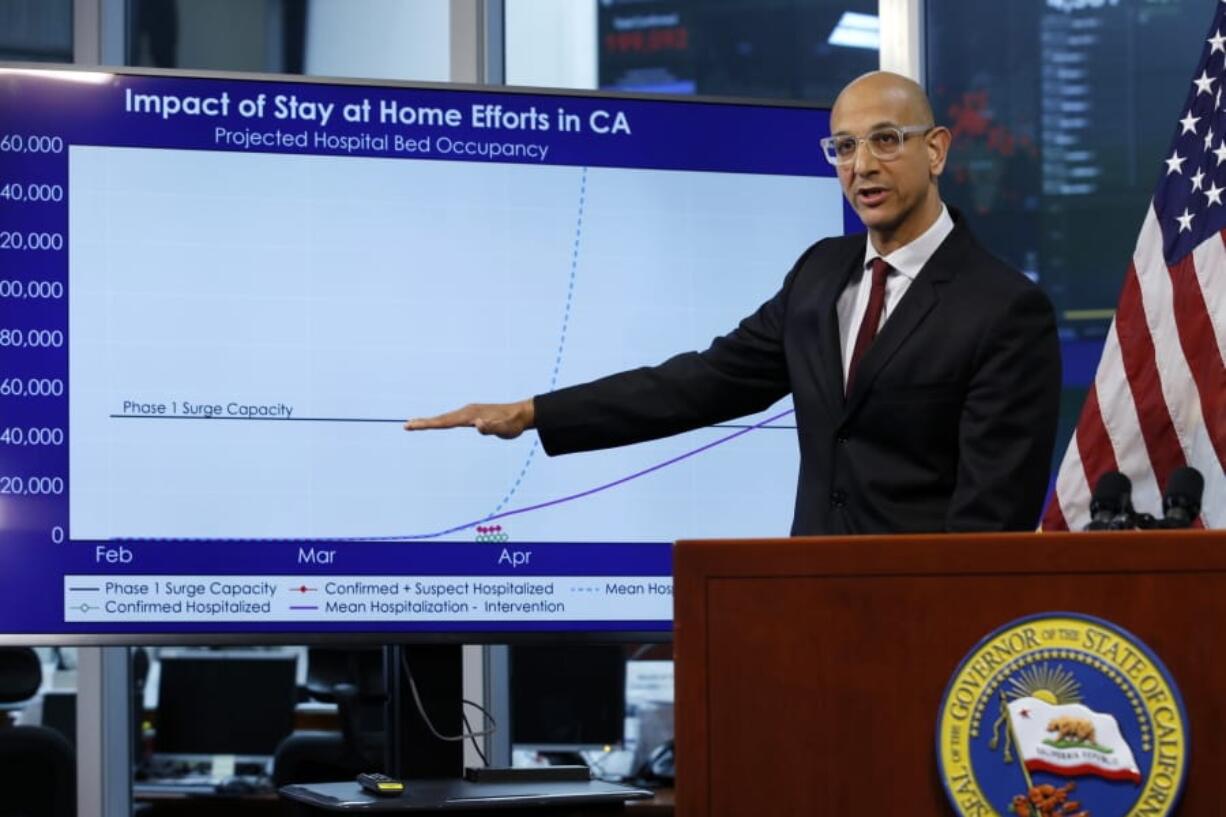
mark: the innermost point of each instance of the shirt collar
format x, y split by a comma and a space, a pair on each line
909, 259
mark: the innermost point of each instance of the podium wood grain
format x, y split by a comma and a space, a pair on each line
810, 671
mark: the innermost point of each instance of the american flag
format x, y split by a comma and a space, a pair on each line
1158, 401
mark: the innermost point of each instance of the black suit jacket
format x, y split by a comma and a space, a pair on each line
950, 422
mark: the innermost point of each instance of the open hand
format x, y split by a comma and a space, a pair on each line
505, 420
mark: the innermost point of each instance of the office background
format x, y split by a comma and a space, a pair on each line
1060, 109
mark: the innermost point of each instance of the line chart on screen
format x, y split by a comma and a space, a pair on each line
249, 330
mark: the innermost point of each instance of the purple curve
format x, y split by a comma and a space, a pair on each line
599, 488
504, 514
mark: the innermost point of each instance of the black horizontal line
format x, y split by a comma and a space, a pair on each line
398, 421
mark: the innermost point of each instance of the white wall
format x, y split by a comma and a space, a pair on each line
379, 39
551, 43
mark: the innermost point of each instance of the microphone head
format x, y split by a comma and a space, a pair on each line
1183, 494
1112, 494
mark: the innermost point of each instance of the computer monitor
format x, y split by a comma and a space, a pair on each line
60, 713
567, 699
221, 295
224, 703
650, 694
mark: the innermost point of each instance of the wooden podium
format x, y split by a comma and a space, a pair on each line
810, 672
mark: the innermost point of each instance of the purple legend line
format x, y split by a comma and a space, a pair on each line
304, 607
84, 589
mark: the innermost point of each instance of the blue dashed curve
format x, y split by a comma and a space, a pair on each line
557, 361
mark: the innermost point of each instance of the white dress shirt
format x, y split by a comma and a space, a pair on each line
905, 263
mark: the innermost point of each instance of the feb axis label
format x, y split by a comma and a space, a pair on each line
1062, 715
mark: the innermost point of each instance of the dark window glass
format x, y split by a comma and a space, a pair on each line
233, 35
1062, 112
36, 30
784, 49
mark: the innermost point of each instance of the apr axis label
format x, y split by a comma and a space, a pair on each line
1062, 715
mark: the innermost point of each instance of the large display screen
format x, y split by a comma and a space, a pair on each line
220, 298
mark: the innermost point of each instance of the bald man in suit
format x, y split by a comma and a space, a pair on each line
925, 372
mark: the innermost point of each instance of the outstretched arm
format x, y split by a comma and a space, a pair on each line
743, 372
505, 420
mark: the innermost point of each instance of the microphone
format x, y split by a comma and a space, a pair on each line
1111, 504
1181, 500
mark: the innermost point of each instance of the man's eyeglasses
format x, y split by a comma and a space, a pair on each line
884, 143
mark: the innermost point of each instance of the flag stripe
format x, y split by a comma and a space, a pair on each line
1069, 508
1141, 368
1213, 506
1119, 415
1210, 259
1201, 351
1093, 442
1082, 770
1158, 297
1211, 256
1182, 399
1054, 520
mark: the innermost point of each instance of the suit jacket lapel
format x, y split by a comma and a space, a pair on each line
916, 304
830, 346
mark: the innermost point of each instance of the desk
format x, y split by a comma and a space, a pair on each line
454, 796
163, 803
175, 800
660, 805
180, 800
153, 802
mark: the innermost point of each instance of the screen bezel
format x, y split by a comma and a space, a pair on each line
254, 636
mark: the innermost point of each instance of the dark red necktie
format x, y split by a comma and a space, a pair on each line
872, 317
